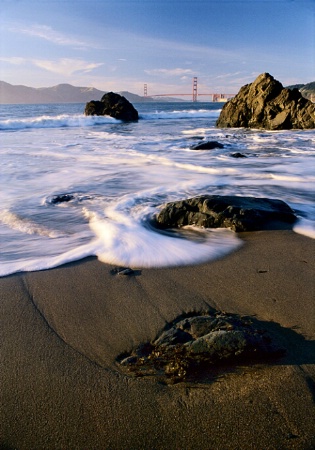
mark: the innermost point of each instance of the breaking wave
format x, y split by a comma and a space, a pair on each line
80, 120
61, 121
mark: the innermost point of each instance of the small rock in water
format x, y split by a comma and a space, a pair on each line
238, 155
61, 198
114, 105
208, 145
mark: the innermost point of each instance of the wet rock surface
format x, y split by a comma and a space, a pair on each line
61, 198
208, 145
113, 105
215, 211
238, 155
58, 199
199, 343
265, 103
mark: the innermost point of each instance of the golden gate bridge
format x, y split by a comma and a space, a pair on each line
215, 96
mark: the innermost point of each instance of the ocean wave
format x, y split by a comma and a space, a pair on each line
128, 241
305, 227
80, 120
61, 121
185, 114
25, 225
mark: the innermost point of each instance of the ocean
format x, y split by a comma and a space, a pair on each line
116, 176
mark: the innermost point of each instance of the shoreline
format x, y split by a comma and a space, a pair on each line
62, 329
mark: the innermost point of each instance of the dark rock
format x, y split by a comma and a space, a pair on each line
113, 105
238, 155
129, 360
144, 350
198, 342
215, 211
172, 337
61, 198
209, 145
94, 108
126, 271
265, 103
199, 326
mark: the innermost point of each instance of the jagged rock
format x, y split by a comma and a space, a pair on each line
265, 103
201, 340
209, 145
113, 105
215, 211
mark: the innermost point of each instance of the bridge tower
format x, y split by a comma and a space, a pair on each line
194, 95
145, 91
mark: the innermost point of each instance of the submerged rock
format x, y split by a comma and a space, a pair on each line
197, 342
238, 155
114, 105
215, 211
61, 198
265, 103
208, 145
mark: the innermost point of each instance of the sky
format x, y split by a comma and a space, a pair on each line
120, 45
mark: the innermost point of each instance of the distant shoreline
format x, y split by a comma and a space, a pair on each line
63, 93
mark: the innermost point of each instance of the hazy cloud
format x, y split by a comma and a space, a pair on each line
63, 66
66, 66
51, 35
169, 72
225, 76
13, 60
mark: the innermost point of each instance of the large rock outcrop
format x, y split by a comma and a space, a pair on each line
237, 213
265, 103
113, 105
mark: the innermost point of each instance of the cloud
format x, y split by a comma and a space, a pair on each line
63, 66
225, 76
66, 66
169, 72
51, 35
13, 60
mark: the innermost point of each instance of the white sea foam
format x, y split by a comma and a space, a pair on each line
305, 227
181, 114
60, 121
196, 131
120, 173
25, 225
127, 242
43, 263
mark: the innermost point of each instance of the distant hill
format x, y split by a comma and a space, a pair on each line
62, 93
307, 90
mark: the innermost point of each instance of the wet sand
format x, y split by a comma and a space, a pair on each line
62, 329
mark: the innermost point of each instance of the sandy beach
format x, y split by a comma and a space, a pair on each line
62, 329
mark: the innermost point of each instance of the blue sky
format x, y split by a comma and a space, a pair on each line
122, 44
